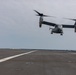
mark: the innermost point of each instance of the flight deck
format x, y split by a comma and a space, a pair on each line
37, 62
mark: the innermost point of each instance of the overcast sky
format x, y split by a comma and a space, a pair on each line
19, 26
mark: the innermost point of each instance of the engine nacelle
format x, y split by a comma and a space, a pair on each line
40, 21
75, 26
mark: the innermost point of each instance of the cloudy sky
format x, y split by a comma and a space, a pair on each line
19, 26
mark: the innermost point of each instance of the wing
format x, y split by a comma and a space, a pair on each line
67, 26
53, 24
48, 23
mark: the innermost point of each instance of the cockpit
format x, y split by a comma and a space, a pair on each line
58, 26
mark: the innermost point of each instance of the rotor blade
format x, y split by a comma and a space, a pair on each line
41, 14
70, 19
73, 19
37, 15
37, 12
47, 16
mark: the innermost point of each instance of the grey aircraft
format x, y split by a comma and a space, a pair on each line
57, 27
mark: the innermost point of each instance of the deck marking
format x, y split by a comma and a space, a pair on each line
11, 57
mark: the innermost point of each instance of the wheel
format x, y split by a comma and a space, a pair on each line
61, 34
51, 32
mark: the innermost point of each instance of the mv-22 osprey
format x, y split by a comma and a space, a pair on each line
57, 28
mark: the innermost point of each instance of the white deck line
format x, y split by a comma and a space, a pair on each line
11, 57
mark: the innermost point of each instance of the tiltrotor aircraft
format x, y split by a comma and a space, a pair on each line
57, 28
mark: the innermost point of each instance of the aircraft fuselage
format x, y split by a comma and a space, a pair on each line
57, 29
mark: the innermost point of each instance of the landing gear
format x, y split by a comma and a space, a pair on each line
61, 34
51, 32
